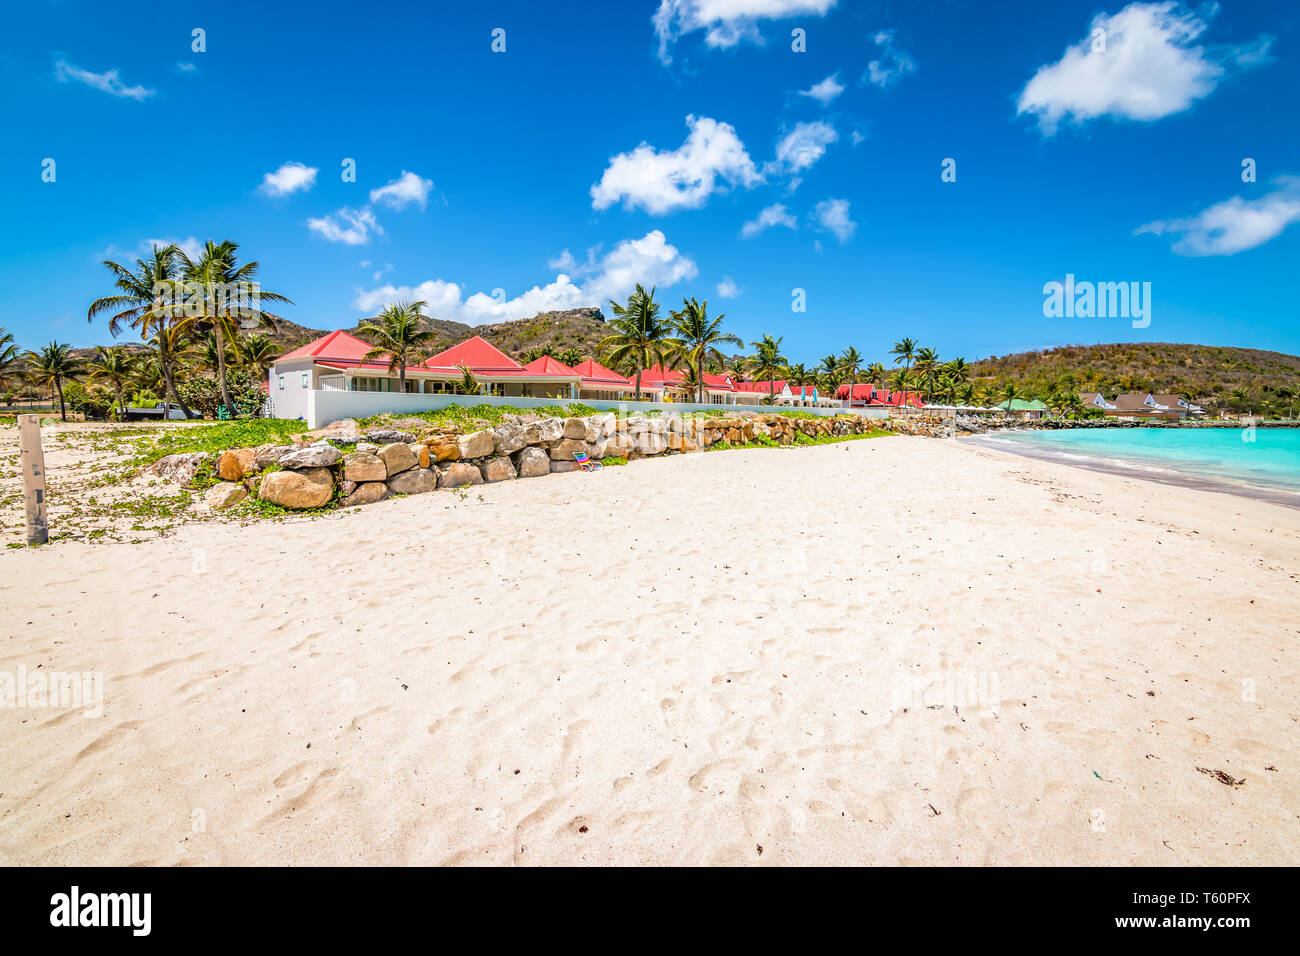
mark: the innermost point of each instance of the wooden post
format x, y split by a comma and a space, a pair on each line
32, 461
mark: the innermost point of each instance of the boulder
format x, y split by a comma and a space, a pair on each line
413, 481
367, 446
563, 450
313, 456
544, 431
397, 458
344, 430
307, 488
459, 473
366, 493
575, 428
618, 445
421, 454
386, 436
362, 466
557, 467
498, 469
444, 449
509, 438
532, 462
236, 463
605, 423
225, 494
180, 468
649, 443
347, 487
267, 455
478, 444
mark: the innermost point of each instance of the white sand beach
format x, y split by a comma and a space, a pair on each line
703, 659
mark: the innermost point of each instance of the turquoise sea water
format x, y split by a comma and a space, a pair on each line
1267, 458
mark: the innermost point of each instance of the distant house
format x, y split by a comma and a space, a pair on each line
1096, 400
1176, 402
1022, 408
868, 396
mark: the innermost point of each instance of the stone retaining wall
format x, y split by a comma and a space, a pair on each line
377, 463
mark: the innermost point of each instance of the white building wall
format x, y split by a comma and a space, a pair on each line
287, 391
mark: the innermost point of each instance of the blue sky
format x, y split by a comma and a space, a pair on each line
627, 142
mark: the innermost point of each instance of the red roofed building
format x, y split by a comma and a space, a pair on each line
718, 389
334, 362
604, 384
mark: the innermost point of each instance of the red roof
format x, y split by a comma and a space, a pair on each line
546, 365
803, 391
339, 346
596, 375
772, 386
478, 354
671, 378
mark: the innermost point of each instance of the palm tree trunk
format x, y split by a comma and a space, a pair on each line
699, 380
169, 383
221, 369
63, 409
637, 396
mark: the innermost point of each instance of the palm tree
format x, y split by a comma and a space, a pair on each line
768, 362
570, 355
700, 337
257, 352
468, 383
902, 381
799, 375
147, 302
849, 364
1010, 393
206, 353
398, 334
926, 367
52, 366
220, 295
8, 352
114, 365
640, 339
904, 351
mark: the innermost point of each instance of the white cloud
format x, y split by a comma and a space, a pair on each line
892, 65
1235, 224
187, 67
774, 215
358, 224
564, 261
289, 178
726, 22
650, 260
856, 137
681, 178
833, 216
727, 288
109, 82
826, 90
1142, 66
190, 246
407, 188
803, 146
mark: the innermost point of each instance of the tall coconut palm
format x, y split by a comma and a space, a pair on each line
223, 296
700, 337
903, 381
468, 384
115, 366
398, 335
147, 302
926, 367
53, 365
876, 374
640, 338
850, 364
768, 363
8, 353
798, 374
904, 352
1010, 392
258, 353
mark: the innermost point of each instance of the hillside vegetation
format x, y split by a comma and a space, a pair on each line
1218, 377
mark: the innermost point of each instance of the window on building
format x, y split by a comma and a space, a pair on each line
281, 383
368, 385
306, 379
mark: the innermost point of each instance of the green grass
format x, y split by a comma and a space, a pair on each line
614, 460
472, 417
800, 439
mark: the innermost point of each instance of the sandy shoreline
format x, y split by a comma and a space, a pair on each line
690, 658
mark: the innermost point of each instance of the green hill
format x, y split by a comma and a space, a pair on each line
1209, 374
